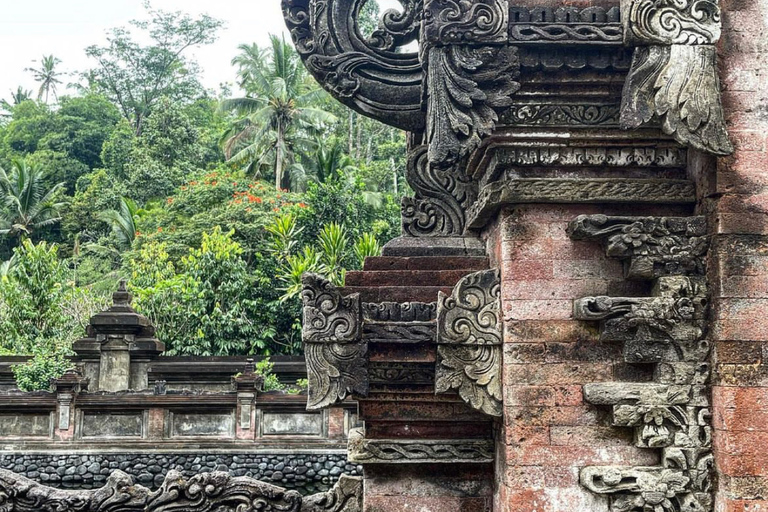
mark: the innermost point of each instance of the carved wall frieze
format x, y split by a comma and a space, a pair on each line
442, 197
469, 341
669, 157
566, 57
399, 312
519, 191
548, 14
467, 88
565, 24
561, 115
335, 352
421, 451
201, 493
668, 22
369, 76
652, 246
465, 21
401, 373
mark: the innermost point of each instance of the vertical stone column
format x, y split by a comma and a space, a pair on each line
66, 389
122, 341
739, 266
247, 385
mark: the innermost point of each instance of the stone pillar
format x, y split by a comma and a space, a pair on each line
247, 385
66, 388
121, 340
737, 193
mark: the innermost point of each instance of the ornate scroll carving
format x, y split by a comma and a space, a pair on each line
367, 76
335, 352
469, 341
467, 87
465, 21
442, 197
565, 24
345, 496
652, 246
518, 191
203, 492
673, 412
394, 451
670, 157
674, 71
561, 115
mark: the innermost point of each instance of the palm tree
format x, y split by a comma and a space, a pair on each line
47, 75
326, 160
278, 115
123, 221
26, 206
19, 96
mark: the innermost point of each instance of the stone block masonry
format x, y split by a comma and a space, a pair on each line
307, 473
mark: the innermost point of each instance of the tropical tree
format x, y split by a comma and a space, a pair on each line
123, 221
26, 205
278, 115
18, 96
47, 76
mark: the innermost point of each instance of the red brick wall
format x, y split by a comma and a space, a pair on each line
739, 264
549, 433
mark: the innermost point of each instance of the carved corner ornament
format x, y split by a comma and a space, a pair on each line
651, 247
335, 352
200, 493
674, 71
469, 342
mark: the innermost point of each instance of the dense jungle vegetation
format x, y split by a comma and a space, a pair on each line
210, 203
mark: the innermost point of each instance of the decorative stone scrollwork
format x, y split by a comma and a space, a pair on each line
465, 21
335, 352
565, 24
467, 87
201, 493
369, 76
673, 412
651, 246
469, 341
674, 71
561, 115
407, 451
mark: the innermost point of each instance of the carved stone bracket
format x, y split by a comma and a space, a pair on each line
651, 246
335, 352
204, 492
674, 71
672, 413
418, 451
469, 341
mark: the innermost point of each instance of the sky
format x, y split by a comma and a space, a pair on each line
33, 28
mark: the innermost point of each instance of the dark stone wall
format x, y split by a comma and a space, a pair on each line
307, 473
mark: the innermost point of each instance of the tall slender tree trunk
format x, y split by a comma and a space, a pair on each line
279, 156
350, 143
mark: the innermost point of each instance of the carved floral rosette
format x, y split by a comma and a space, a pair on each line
672, 413
469, 341
335, 352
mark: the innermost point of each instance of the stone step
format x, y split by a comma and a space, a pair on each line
469, 264
408, 278
397, 293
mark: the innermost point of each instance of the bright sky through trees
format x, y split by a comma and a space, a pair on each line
65, 28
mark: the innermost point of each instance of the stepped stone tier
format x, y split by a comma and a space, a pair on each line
574, 318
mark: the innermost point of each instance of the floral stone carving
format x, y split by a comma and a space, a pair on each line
469, 341
336, 355
201, 493
651, 246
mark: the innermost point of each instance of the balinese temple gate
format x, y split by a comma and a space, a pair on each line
575, 316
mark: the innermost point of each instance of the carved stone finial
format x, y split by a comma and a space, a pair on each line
469, 341
336, 355
122, 298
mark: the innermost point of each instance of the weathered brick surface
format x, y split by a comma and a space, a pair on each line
739, 264
548, 431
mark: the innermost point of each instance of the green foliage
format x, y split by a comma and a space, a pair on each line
123, 221
365, 247
266, 369
47, 75
37, 373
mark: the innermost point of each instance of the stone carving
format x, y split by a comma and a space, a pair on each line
401, 373
565, 24
611, 156
335, 352
652, 246
399, 312
367, 76
518, 191
674, 71
467, 88
394, 451
204, 492
465, 21
673, 412
561, 115
554, 58
442, 197
469, 341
